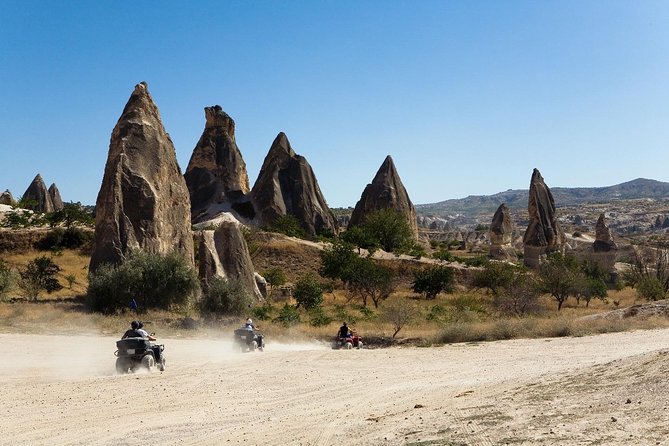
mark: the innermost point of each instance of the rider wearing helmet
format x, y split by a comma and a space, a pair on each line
249, 325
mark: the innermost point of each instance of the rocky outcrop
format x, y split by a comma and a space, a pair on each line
604, 249
501, 235
287, 185
56, 200
216, 174
544, 233
603, 239
224, 253
7, 198
143, 203
37, 196
386, 191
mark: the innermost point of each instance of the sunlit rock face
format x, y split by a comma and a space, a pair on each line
216, 174
501, 235
224, 253
287, 185
386, 191
143, 203
544, 233
37, 196
56, 199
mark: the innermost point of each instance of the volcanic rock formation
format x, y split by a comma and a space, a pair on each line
56, 200
216, 174
501, 235
7, 198
143, 203
287, 185
37, 196
544, 233
224, 253
603, 239
386, 191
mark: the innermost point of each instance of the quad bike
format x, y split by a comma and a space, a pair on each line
347, 343
249, 340
136, 354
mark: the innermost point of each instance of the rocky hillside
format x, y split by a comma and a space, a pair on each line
516, 199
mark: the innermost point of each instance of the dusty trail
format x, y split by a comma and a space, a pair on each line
479, 394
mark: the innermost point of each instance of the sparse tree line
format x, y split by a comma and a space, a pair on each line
369, 287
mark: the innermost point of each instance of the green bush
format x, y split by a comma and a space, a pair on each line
288, 316
153, 280
226, 296
443, 254
288, 225
389, 229
650, 288
40, 275
263, 312
6, 279
307, 292
318, 317
70, 238
433, 280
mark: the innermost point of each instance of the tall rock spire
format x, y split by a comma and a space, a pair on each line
544, 233
37, 196
287, 185
56, 200
501, 235
386, 191
143, 202
216, 173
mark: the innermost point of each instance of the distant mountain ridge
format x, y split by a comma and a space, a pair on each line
516, 199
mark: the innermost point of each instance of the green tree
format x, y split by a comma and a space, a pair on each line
559, 276
337, 261
275, 277
361, 237
519, 296
71, 215
496, 276
389, 228
40, 275
153, 280
226, 296
308, 292
370, 280
433, 280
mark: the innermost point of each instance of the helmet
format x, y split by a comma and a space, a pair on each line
141, 324
134, 325
249, 321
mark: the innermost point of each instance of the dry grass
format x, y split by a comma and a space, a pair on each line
71, 262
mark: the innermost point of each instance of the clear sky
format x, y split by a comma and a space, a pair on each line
467, 96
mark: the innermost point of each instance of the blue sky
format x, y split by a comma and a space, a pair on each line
467, 97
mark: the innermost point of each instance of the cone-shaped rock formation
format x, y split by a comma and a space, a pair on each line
386, 191
501, 235
38, 196
216, 173
224, 253
7, 198
544, 233
143, 202
287, 185
56, 200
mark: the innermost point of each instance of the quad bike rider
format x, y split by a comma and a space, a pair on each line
346, 339
248, 338
135, 350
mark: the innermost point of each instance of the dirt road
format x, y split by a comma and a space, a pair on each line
607, 389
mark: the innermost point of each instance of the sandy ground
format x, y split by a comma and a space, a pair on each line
607, 389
